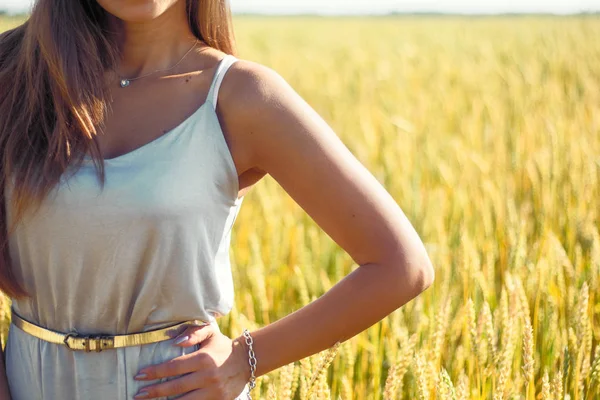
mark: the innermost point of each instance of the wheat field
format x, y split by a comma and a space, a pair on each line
487, 133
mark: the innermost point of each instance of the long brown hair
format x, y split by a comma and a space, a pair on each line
52, 99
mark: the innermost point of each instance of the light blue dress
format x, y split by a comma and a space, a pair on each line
148, 251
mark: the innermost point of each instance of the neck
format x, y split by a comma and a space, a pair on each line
156, 44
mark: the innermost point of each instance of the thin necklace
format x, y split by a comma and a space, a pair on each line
124, 82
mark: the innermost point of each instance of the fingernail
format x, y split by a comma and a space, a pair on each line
182, 339
140, 376
141, 395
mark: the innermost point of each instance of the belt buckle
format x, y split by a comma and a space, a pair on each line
100, 342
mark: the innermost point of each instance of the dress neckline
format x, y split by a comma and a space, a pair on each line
88, 160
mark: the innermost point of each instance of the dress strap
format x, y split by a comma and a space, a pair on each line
222, 68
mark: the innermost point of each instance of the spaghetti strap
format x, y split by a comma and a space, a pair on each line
222, 68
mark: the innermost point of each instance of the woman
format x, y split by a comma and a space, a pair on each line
130, 135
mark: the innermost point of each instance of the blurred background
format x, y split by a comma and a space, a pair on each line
483, 122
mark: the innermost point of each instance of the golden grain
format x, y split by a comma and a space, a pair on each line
528, 358
445, 387
286, 381
546, 395
422, 375
557, 385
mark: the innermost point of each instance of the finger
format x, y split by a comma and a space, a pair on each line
194, 335
214, 392
176, 366
180, 385
175, 386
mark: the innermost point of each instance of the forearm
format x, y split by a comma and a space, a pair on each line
361, 299
4, 392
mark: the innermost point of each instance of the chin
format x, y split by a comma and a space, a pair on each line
136, 10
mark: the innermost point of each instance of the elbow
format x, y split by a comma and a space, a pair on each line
419, 273
426, 274
414, 274
420, 276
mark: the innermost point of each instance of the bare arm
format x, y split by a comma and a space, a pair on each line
290, 141
4, 392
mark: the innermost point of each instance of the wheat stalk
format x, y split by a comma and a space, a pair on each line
462, 389
286, 380
528, 359
557, 385
422, 376
324, 362
445, 387
546, 395
393, 382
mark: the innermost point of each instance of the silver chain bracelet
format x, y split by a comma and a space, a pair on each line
251, 361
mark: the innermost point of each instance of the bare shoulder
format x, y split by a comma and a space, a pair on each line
257, 104
252, 86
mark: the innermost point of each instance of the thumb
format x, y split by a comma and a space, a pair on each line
194, 334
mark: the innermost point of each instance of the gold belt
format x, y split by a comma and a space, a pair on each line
77, 341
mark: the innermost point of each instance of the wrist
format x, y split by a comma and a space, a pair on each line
242, 349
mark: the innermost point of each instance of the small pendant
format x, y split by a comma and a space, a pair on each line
124, 82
